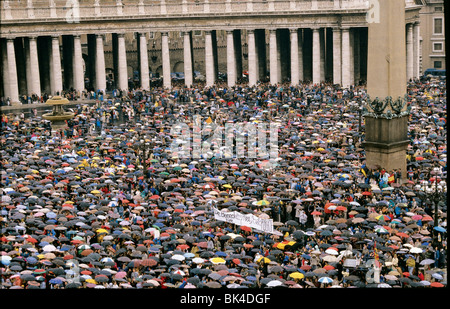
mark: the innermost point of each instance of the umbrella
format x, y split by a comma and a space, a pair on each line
325, 280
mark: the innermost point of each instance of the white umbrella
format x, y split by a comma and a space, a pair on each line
330, 258
49, 248
198, 260
178, 257
425, 282
274, 283
331, 251
426, 262
384, 285
415, 250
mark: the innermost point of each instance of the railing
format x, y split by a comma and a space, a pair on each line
88, 9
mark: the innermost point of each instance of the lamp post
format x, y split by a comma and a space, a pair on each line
141, 147
435, 193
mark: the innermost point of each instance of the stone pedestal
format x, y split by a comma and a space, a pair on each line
386, 143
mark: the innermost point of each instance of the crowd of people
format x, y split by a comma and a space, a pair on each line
108, 202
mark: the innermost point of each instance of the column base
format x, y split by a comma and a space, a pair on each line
388, 156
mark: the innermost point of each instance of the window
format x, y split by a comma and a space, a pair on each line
197, 32
438, 26
437, 47
151, 35
438, 64
438, 8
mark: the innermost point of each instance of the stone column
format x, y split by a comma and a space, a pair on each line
145, 77
252, 61
416, 50
345, 76
409, 51
12, 72
273, 57
206, 8
78, 73
322, 35
337, 71
184, 9
34, 83
316, 77
188, 72
56, 73
231, 60
294, 57
100, 72
167, 80
5, 70
301, 76
209, 59
122, 62
356, 55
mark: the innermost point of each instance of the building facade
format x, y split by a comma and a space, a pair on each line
432, 30
52, 45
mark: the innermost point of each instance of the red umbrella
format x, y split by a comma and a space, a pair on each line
316, 213
436, 284
366, 193
183, 247
148, 262
246, 228
403, 235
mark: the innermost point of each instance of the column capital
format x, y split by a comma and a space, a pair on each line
77, 36
250, 30
33, 37
293, 30
9, 39
208, 32
120, 35
165, 33
229, 31
416, 23
55, 37
272, 30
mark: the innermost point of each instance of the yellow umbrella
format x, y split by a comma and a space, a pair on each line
95, 192
297, 275
217, 260
227, 186
102, 231
263, 259
91, 281
262, 203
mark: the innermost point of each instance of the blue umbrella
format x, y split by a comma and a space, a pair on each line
55, 281
440, 229
32, 260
